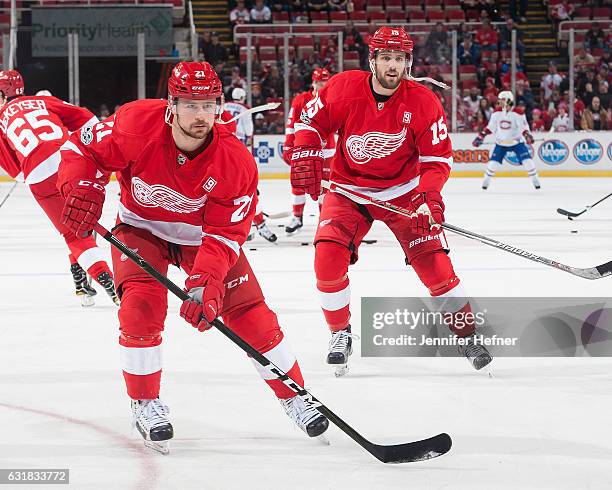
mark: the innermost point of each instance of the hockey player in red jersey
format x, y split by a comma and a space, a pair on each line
188, 191
394, 146
33, 129
320, 76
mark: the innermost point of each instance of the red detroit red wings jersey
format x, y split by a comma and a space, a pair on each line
33, 130
393, 146
297, 105
206, 201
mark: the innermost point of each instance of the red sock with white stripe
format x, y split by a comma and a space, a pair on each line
299, 201
331, 267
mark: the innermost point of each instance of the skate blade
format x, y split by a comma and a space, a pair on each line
87, 301
341, 370
162, 447
294, 233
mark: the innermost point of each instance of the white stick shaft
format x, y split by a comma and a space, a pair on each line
260, 108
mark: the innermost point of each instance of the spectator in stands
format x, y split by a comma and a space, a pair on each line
237, 81
490, 91
561, 11
584, 58
462, 33
278, 6
595, 37
518, 12
204, 42
550, 81
437, 45
561, 123
354, 42
329, 51
296, 81
485, 107
317, 5
259, 124
260, 13
337, 5
537, 123
549, 115
594, 118
103, 112
239, 14
470, 7
478, 122
524, 96
297, 5
273, 84
215, 52
505, 37
588, 94
468, 53
472, 101
603, 95
486, 36
257, 97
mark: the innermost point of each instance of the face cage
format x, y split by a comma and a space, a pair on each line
173, 101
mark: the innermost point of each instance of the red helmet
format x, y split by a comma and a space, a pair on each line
320, 75
11, 83
194, 80
392, 39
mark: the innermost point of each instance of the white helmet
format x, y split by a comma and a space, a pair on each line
43, 93
506, 96
238, 94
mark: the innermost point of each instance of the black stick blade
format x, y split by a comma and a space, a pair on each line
567, 213
413, 451
605, 269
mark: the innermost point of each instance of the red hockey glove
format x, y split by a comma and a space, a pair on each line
478, 141
428, 209
205, 301
528, 137
307, 169
287, 150
83, 205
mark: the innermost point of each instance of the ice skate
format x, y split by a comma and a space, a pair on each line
106, 281
82, 286
476, 354
340, 348
265, 232
151, 420
294, 226
306, 416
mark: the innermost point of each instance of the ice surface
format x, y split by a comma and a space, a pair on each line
539, 423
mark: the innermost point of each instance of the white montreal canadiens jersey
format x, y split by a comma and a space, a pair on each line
508, 127
244, 125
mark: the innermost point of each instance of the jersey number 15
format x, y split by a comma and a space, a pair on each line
439, 130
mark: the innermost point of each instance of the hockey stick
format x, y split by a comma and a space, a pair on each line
588, 273
8, 194
398, 453
571, 215
282, 214
260, 108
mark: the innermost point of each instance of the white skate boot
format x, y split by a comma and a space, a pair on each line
340, 348
151, 420
305, 416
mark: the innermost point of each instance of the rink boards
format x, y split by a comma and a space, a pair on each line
576, 154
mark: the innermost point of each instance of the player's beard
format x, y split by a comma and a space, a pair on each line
197, 130
390, 83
